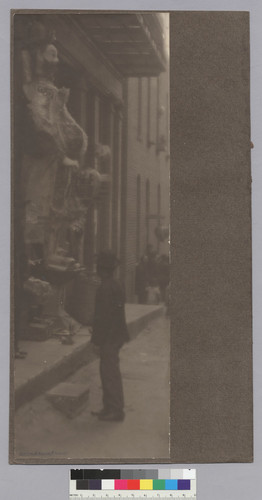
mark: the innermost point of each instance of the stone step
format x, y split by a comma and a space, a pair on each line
69, 398
50, 362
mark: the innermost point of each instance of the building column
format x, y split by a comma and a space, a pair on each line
116, 181
111, 143
92, 123
123, 184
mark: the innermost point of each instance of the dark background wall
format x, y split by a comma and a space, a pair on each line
211, 372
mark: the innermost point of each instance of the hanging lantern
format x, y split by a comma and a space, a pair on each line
102, 151
89, 183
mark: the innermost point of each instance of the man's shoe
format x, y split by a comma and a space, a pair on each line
113, 417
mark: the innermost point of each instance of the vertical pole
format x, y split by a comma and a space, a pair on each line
83, 122
157, 113
148, 112
116, 181
124, 167
111, 143
96, 141
138, 216
92, 121
147, 210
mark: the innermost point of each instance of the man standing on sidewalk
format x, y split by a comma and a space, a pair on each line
109, 334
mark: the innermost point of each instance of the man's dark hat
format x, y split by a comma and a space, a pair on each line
107, 260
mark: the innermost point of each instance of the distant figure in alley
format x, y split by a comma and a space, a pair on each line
109, 335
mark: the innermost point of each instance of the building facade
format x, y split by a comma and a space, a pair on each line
116, 69
147, 199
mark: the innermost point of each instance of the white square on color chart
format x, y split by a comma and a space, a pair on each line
108, 484
177, 474
189, 474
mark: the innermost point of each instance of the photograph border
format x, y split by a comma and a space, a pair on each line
193, 423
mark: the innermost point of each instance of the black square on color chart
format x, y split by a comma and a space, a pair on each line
77, 474
100, 474
93, 474
111, 474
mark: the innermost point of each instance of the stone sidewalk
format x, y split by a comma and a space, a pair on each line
45, 434
50, 362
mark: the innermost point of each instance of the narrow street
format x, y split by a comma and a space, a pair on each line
44, 432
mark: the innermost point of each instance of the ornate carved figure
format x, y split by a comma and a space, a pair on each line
54, 146
54, 143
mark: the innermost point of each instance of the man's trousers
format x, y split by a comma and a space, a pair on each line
113, 398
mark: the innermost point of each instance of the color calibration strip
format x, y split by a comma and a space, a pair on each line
84, 483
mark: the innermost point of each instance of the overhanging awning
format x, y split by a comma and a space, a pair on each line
133, 42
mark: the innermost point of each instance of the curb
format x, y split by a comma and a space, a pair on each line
83, 354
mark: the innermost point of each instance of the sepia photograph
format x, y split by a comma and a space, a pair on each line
90, 312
